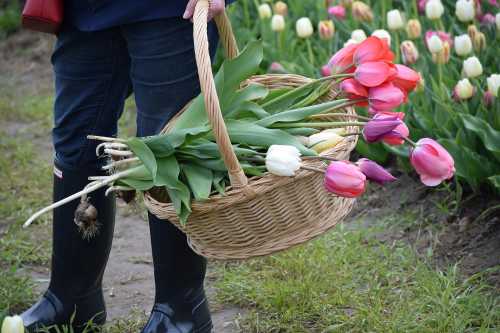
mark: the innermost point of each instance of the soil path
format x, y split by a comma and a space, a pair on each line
128, 282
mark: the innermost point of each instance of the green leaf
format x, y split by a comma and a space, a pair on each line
372, 151
283, 101
139, 185
199, 179
495, 181
219, 182
251, 92
246, 109
274, 93
300, 113
255, 135
142, 151
489, 136
304, 131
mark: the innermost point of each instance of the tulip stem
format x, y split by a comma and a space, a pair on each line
105, 138
320, 125
410, 141
338, 114
310, 51
312, 169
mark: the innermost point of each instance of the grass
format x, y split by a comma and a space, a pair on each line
347, 281
9, 18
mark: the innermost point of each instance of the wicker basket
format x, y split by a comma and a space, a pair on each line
260, 215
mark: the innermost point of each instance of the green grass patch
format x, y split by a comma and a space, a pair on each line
347, 281
10, 18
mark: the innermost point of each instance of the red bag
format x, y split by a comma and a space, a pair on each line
43, 15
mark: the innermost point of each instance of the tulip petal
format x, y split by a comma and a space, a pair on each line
373, 73
385, 97
372, 49
343, 59
406, 78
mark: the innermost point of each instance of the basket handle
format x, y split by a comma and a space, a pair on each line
212, 105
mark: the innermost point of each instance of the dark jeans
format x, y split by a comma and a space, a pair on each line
96, 71
94, 74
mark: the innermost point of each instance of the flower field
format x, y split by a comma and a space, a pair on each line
453, 45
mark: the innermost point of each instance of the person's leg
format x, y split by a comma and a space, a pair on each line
91, 81
164, 76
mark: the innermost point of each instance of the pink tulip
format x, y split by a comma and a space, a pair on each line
494, 3
385, 97
488, 19
379, 127
345, 179
326, 71
343, 59
406, 78
432, 162
374, 73
397, 136
488, 98
374, 172
373, 49
337, 12
355, 90
421, 5
445, 37
276, 67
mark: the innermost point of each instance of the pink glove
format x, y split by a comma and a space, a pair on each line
216, 7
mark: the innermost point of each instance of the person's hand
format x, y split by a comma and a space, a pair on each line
216, 7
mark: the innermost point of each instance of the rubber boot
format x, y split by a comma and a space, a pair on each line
79, 257
180, 302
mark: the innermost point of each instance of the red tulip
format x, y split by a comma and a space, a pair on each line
380, 126
385, 97
374, 73
355, 90
345, 179
406, 78
343, 59
337, 12
373, 49
374, 172
432, 162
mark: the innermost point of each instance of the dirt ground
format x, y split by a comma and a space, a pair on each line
463, 238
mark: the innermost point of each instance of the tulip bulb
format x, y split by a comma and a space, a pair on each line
472, 67
395, 20
13, 324
304, 27
265, 11
463, 90
413, 29
463, 45
278, 23
464, 10
494, 84
283, 160
434, 9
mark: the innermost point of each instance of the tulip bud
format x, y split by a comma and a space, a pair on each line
358, 35
283, 160
494, 84
432, 162
488, 98
464, 10
488, 19
479, 42
497, 21
413, 29
374, 172
361, 11
472, 67
472, 31
350, 41
265, 11
337, 11
463, 45
304, 27
276, 67
409, 52
442, 57
382, 34
278, 23
463, 90
326, 29
434, 9
326, 71
281, 8
345, 179
435, 44
13, 324
395, 20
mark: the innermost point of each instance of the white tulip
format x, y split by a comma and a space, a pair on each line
395, 20
12, 324
324, 136
464, 10
472, 67
434, 9
283, 160
350, 41
497, 21
358, 35
304, 27
278, 23
494, 84
265, 11
463, 45
382, 34
464, 89
435, 44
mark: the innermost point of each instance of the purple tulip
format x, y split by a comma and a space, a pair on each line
374, 172
377, 128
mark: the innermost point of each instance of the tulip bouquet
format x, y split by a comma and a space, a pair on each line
453, 45
274, 131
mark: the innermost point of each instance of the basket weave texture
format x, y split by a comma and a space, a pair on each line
260, 215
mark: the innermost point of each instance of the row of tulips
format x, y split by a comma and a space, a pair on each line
452, 46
